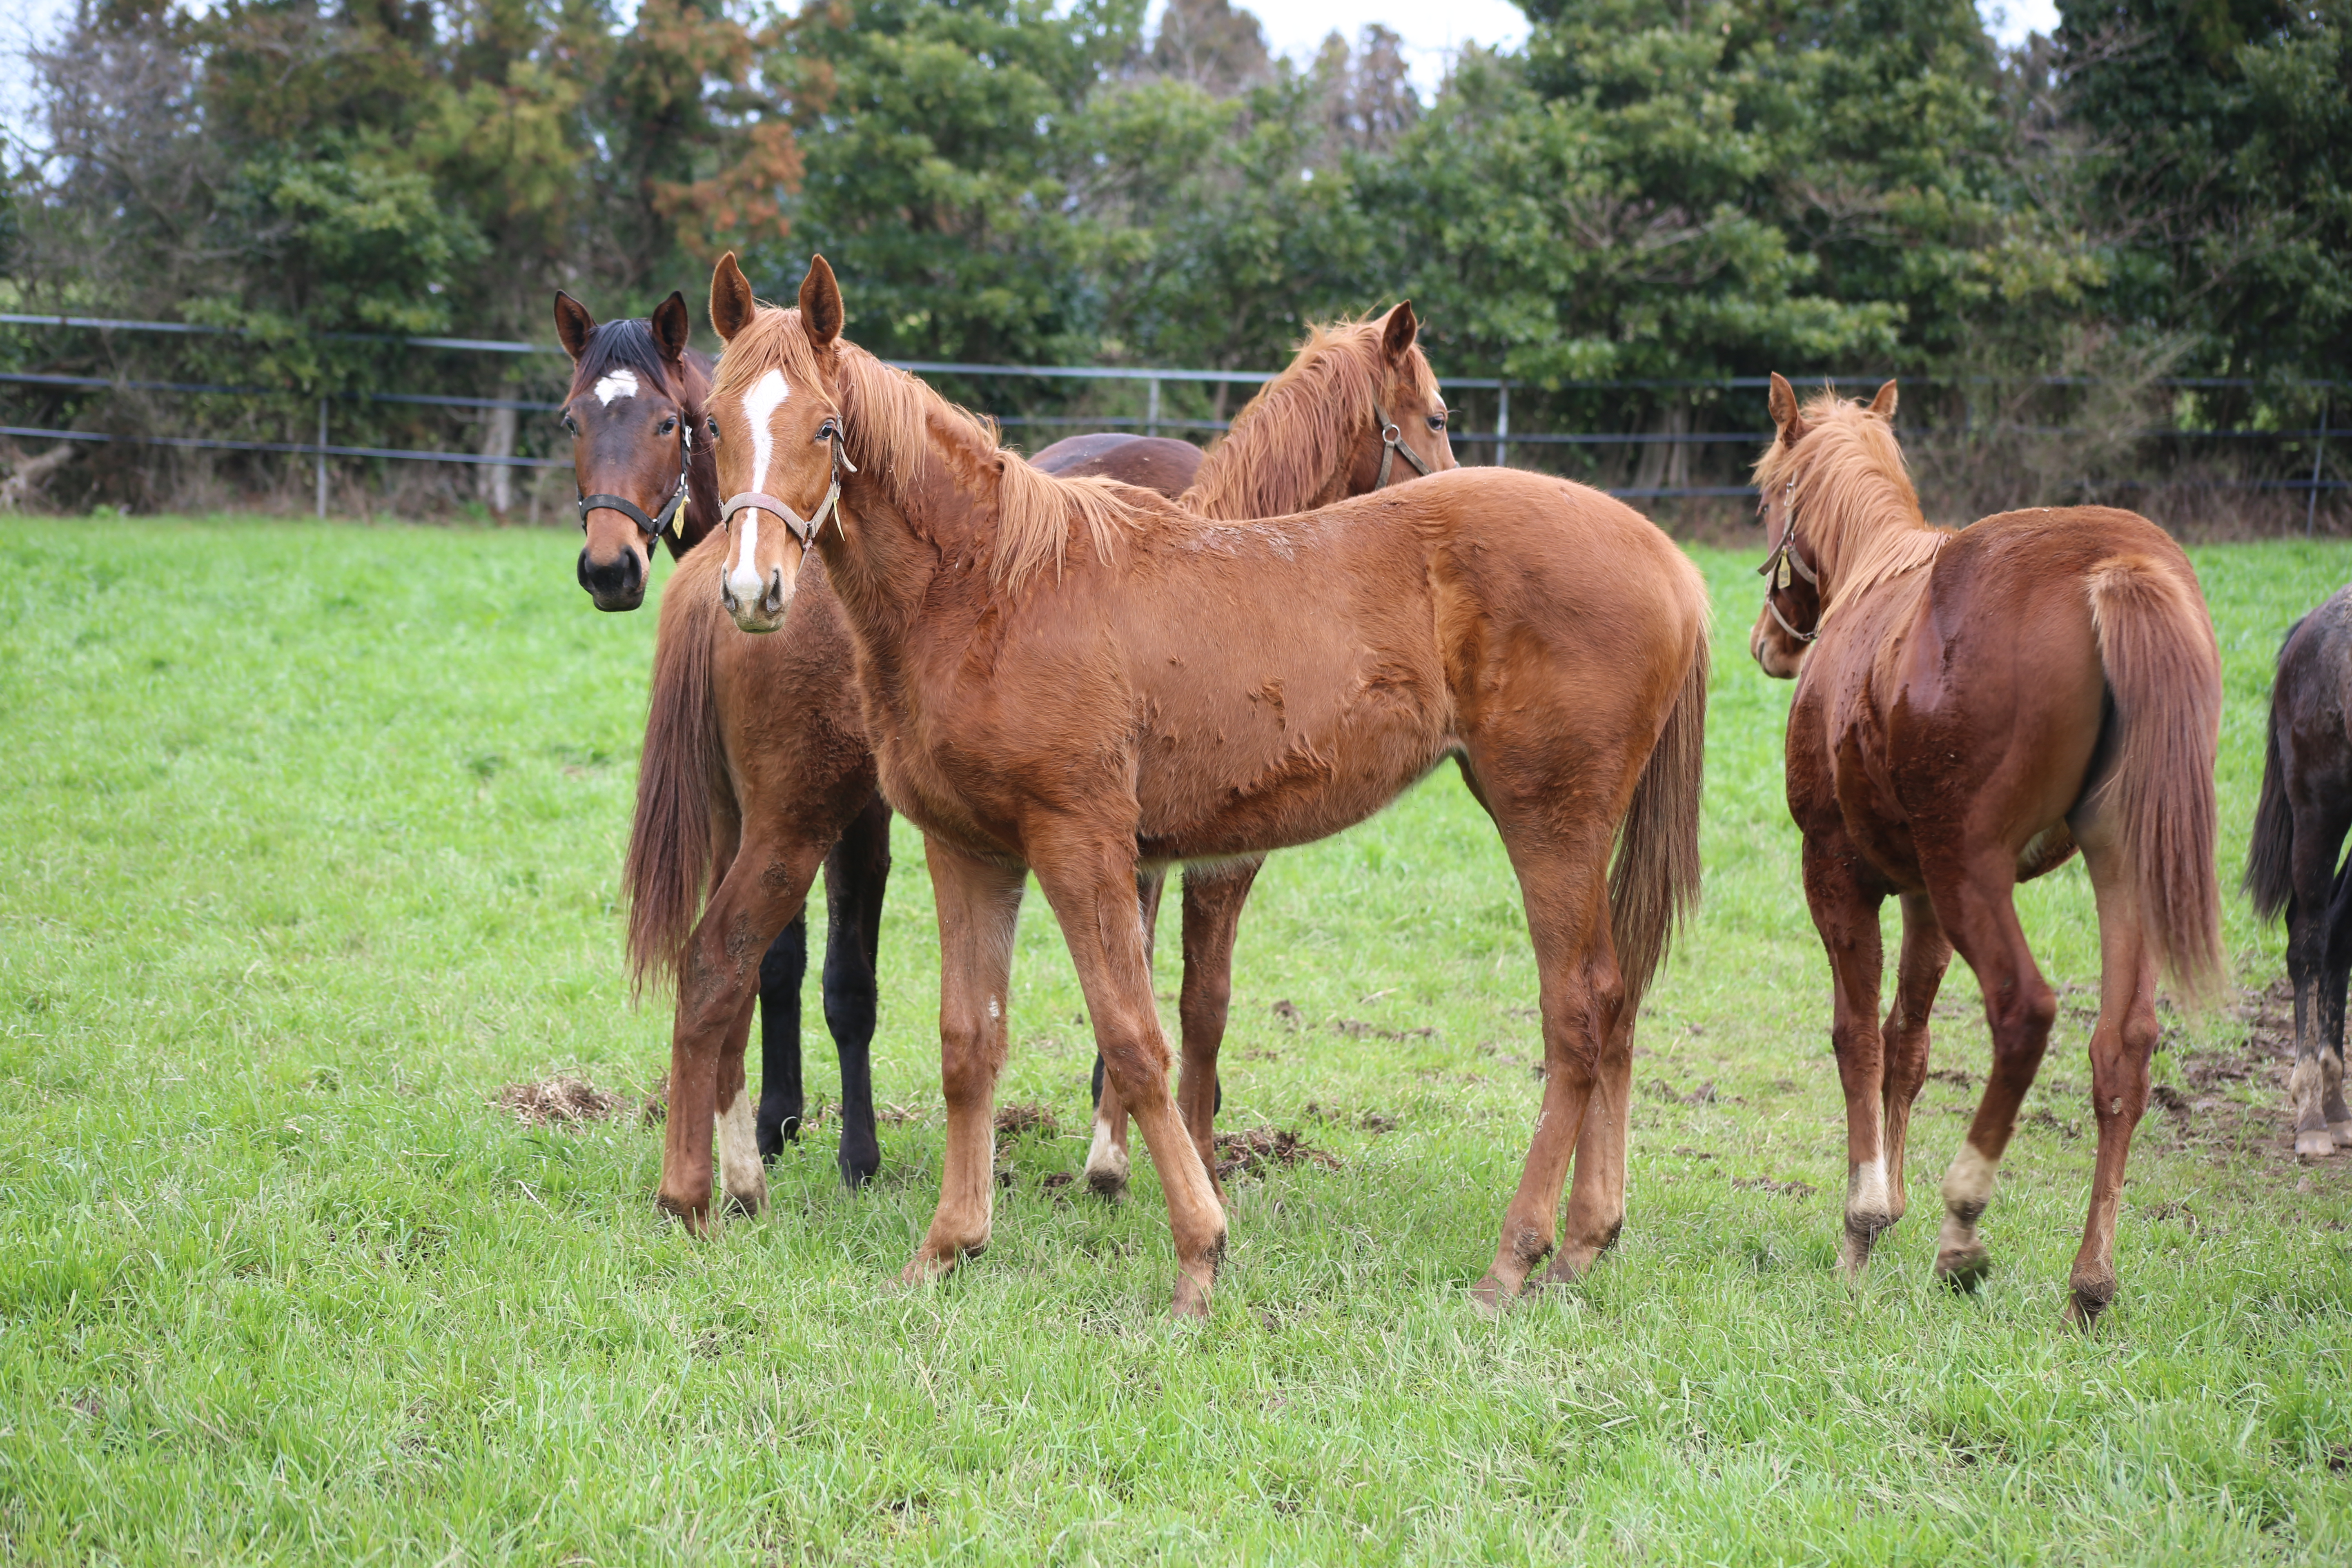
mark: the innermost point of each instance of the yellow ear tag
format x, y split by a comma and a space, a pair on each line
1784, 577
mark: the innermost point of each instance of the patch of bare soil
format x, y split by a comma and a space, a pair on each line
1025, 1117
2213, 1111
559, 1100
1249, 1153
1370, 1120
1353, 1029
1766, 1185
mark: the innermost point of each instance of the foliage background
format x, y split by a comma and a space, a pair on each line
1670, 193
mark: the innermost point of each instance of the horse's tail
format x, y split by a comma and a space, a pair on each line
2270, 858
2164, 674
1654, 884
682, 767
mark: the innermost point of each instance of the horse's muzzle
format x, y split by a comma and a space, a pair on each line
618, 583
763, 613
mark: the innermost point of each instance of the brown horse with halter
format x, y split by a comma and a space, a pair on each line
1971, 709
1079, 678
2299, 826
747, 791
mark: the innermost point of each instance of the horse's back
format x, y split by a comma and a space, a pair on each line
1147, 462
2313, 688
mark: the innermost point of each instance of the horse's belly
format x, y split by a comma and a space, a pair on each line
1203, 800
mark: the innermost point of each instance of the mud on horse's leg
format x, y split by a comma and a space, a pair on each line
781, 1099
856, 875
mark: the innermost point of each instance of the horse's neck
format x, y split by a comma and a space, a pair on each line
701, 511
885, 548
1244, 477
1895, 540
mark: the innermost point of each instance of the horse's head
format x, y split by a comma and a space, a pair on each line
1408, 412
779, 438
1791, 617
626, 412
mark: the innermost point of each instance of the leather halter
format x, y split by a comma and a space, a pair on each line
1391, 446
657, 526
1784, 557
805, 531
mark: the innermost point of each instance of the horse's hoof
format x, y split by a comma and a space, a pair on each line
1492, 1294
1108, 1184
1963, 1268
1572, 1263
2086, 1299
1191, 1299
2318, 1144
2342, 1133
1862, 1232
694, 1218
738, 1205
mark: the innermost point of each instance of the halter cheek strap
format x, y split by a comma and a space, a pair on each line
658, 525
805, 531
1391, 446
1783, 559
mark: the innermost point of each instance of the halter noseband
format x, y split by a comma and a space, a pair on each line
1784, 557
1392, 445
805, 531
658, 525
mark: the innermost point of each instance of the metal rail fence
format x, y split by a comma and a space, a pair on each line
1499, 440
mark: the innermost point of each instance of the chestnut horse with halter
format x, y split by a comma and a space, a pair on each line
1971, 709
746, 790
2299, 826
1080, 679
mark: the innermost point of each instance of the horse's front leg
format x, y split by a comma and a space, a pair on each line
781, 1098
1106, 1158
1845, 896
1089, 879
1213, 918
856, 875
979, 906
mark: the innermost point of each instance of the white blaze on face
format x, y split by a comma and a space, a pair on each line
760, 405
620, 383
743, 576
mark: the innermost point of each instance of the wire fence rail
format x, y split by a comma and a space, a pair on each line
1498, 441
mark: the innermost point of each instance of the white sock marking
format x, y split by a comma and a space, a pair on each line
1105, 1157
620, 383
738, 1153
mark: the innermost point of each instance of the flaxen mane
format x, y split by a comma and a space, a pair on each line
1283, 448
1853, 498
892, 424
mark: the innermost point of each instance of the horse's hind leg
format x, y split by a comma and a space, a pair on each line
1974, 904
1107, 1164
2120, 1047
781, 1102
2331, 1012
1596, 1192
1919, 974
1845, 911
856, 874
2310, 951
1562, 881
1213, 918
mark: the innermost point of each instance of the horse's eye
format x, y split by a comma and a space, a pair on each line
713, 424
667, 427
569, 426
1437, 422
828, 431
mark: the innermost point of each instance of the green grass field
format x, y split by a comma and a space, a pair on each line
312, 845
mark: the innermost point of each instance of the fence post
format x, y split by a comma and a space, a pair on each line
322, 458
2319, 450
1151, 407
1503, 426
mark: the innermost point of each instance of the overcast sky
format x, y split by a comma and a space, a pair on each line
1431, 31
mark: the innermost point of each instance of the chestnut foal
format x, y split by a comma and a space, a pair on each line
748, 791
1079, 680
1976, 706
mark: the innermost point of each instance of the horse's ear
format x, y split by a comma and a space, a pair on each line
671, 326
1398, 332
1783, 404
1884, 404
821, 312
731, 305
572, 325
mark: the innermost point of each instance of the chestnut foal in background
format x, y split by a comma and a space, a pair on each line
1079, 680
1974, 708
756, 758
